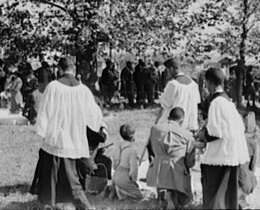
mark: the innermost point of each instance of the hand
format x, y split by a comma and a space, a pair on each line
200, 144
201, 135
103, 132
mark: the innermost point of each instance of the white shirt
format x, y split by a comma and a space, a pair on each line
225, 122
63, 116
181, 95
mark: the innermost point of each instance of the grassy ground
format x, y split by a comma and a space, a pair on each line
19, 147
19, 154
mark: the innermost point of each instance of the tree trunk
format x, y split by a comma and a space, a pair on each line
240, 78
242, 48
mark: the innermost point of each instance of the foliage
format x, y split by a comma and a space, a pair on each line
187, 28
50, 24
140, 26
71, 27
232, 28
223, 23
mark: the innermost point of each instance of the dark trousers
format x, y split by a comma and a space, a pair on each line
140, 94
219, 187
130, 94
56, 181
149, 89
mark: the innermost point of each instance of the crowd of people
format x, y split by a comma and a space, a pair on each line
140, 84
71, 123
21, 88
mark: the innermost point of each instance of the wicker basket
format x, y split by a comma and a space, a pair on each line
95, 184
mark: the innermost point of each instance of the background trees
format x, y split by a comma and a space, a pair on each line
73, 27
232, 29
189, 29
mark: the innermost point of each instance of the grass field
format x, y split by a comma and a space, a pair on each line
19, 147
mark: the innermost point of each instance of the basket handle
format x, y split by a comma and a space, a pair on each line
100, 164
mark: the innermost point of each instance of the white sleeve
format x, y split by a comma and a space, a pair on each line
94, 113
168, 95
197, 93
215, 116
44, 109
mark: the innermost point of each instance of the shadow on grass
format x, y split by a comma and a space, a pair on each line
27, 202
29, 205
21, 188
99, 204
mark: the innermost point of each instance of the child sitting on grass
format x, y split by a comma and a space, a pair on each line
126, 166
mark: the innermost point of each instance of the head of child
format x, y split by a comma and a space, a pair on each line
177, 115
127, 132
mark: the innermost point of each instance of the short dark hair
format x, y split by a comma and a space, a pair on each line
156, 63
45, 64
176, 113
141, 62
127, 132
65, 63
172, 62
215, 75
108, 62
128, 63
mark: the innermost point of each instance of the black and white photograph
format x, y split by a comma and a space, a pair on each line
129, 104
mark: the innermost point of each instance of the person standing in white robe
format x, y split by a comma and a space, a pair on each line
182, 92
66, 109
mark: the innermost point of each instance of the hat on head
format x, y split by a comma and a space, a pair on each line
127, 132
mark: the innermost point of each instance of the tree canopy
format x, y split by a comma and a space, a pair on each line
186, 28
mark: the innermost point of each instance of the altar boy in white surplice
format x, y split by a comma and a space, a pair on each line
226, 147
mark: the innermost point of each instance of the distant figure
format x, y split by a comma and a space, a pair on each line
126, 166
127, 83
5, 96
250, 87
151, 79
174, 155
139, 78
29, 84
32, 104
180, 91
158, 84
16, 95
2, 76
109, 81
165, 78
44, 76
